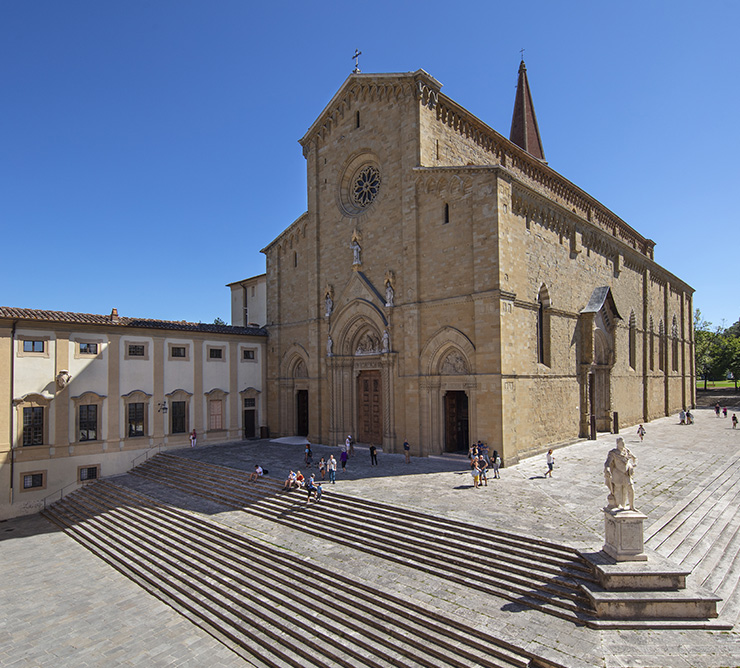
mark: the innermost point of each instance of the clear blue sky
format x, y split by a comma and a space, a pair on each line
148, 149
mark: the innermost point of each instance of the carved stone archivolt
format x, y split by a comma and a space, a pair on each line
369, 344
454, 363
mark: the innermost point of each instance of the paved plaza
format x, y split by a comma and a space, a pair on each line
62, 606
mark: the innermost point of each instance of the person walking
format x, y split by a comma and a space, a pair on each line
310, 488
641, 432
343, 456
716, 409
550, 464
322, 467
496, 464
724, 411
309, 455
734, 420
193, 438
373, 455
407, 451
332, 467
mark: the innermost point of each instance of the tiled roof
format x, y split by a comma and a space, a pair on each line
115, 320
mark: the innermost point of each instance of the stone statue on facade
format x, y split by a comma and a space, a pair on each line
356, 248
368, 345
388, 294
386, 341
329, 346
619, 469
328, 304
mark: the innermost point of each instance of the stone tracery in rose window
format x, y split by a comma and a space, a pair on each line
365, 186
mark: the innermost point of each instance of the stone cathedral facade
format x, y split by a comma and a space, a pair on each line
446, 285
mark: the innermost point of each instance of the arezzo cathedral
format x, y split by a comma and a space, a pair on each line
446, 285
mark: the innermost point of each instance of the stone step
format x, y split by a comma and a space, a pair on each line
127, 520
692, 521
207, 619
220, 473
674, 514
551, 597
507, 547
291, 625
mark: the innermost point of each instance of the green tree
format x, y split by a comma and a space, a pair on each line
218, 321
733, 357
703, 341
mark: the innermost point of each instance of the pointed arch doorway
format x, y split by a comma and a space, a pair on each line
369, 407
456, 421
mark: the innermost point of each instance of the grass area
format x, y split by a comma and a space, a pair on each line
711, 384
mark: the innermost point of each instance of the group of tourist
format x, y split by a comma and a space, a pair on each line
685, 417
296, 480
481, 463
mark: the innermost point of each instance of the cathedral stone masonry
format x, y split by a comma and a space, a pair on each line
522, 312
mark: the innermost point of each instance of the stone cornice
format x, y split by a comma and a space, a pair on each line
539, 174
292, 229
552, 215
361, 87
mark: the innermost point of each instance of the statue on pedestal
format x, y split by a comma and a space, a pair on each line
619, 469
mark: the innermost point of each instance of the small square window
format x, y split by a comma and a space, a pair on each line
88, 348
136, 350
88, 473
179, 351
248, 354
249, 403
215, 354
33, 480
33, 346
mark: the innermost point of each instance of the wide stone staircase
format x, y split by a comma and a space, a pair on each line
272, 608
530, 572
701, 532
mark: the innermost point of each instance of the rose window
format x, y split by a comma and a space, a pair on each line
365, 186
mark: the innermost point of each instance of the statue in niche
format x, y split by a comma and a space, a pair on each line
368, 345
388, 294
329, 346
356, 248
328, 304
389, 290
386, 341
454, 363
619, 469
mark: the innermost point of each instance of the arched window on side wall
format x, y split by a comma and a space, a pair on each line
674, 345
543, 326
661, 346
633, 341
652, 344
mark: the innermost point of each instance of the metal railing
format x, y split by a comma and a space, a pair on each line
49, 498
146, 454
61, 493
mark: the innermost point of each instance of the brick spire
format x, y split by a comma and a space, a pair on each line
524, 130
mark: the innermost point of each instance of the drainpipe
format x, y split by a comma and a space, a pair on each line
12, 393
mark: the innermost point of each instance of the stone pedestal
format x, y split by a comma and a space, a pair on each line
624, 534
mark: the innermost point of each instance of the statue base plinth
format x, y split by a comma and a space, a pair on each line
624, 534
